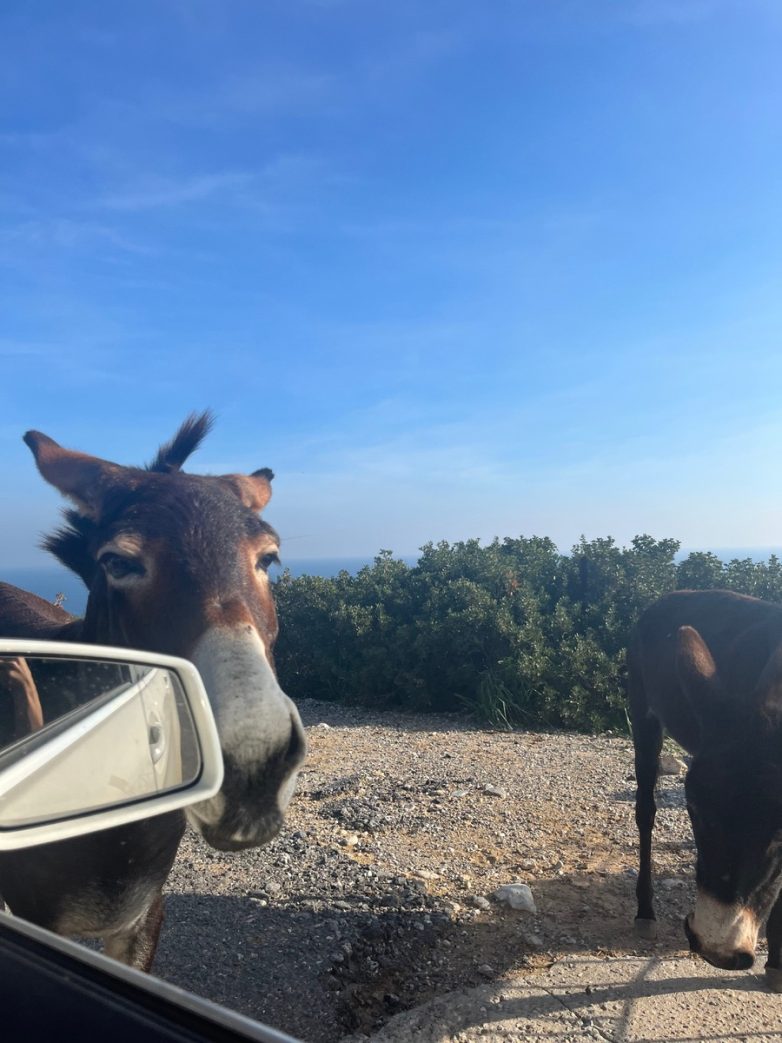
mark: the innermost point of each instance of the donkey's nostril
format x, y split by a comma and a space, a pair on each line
743, 961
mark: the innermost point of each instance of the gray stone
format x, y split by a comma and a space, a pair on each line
517, 896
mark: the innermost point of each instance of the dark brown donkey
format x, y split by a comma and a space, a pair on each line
706, 667
175, 563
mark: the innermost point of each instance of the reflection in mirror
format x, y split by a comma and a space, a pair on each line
98, 734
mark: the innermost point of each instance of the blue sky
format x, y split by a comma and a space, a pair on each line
450, 269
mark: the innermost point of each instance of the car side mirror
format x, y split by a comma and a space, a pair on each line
93, 737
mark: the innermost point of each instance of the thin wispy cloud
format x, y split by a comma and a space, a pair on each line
280, 181
255, 93
25, 349
67, 234
274, 90
157, 192
421, 51
33, 139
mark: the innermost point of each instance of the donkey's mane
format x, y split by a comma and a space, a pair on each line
70, 543
173, 454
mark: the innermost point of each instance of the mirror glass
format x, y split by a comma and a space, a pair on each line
81, 734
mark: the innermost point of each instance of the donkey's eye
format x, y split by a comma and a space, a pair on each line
118, 567
265, 560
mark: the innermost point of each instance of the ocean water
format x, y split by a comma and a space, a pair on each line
55, 580
729, 553
49, 582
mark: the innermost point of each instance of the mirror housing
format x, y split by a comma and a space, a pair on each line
95, 737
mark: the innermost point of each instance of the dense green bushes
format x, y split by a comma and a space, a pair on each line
514, 631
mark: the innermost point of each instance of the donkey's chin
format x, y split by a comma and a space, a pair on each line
242, 840
236, 818
236, 836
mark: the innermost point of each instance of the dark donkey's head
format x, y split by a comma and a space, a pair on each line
177, 563
734, 799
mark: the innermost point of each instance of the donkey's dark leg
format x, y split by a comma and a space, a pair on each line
774, 935
647, 736
647, 743
137, 947
648, 740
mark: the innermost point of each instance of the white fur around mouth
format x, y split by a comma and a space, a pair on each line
723, 929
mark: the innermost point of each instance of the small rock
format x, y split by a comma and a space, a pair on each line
517, 896
425, 874
671, 765
459, 793
479, 902
323, 727
494, 791
486, 970
351, 841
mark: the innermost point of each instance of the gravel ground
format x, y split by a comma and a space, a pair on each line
378, 894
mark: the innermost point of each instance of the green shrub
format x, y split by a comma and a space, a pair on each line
514, 632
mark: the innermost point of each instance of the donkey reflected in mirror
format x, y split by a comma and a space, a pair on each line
706, 667
174, 563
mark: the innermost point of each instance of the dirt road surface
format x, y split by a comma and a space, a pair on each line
378, 897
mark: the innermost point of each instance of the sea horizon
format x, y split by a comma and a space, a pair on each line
55, 582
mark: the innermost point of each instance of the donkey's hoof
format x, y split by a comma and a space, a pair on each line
646, 929
774, 978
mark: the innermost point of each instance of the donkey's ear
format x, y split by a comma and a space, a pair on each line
254, 490
83, 479
697, 673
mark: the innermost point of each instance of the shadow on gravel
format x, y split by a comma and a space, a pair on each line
321, 969
264, 962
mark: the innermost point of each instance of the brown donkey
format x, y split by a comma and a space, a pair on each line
706, 667
174, 563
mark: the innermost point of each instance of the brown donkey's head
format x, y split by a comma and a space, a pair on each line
177, 563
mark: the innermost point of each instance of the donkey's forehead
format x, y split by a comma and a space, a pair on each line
180, 506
